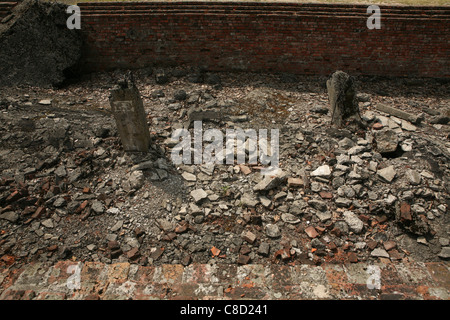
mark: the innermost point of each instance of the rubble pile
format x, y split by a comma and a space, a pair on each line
68, 190
36, 47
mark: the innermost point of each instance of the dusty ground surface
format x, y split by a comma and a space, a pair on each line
69, 191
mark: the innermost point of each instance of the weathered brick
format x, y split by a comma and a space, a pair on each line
295, 41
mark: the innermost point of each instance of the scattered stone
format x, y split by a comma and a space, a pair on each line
343, 202
427, 175
377, 126
273, 231
10, 216
264, 249
322, 171
318, 205
422, 240
45, 102
319, 109
189, 176
186, 260
346, 143
180, 95
61, 171
413, 177
161, 77
289, 218
248, 200
340, 227
113, 210
199, 219
445, 253
356, 150
48, 223
165, 225
199, 195
280, 195
157, 94
146, 165
441, 119
157, 253
80, 172
265, 202
381, 253
59, 202
387, 141
398, 113
111, 237
136, 179
270, 181
352, 220
408, 126
98, 207
117, 226
323, 216
387, 174
295, 182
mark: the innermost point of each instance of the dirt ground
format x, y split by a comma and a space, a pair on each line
69, 191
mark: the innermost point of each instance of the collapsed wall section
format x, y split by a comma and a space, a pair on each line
274, 37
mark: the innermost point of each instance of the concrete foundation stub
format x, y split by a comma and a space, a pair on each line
129, 113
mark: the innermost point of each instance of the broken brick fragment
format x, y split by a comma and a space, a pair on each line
13, 196
243, 259
181, 228
249, 236
38, 213
326, 195
405, 212
52, 248
245, 249
133, 254
311, 232
139, 232
215, 251
352, 257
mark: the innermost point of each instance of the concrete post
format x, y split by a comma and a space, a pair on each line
129, 113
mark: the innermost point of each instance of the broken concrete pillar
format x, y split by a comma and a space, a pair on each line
128, 110
342, 97
399, 113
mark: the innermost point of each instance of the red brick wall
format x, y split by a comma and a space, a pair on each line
295, 38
